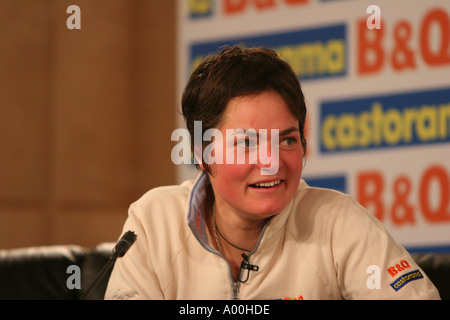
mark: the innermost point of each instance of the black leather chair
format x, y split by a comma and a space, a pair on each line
437, 268
41, 272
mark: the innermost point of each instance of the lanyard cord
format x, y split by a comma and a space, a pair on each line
217, 231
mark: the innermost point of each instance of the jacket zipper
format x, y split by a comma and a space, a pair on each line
235, 283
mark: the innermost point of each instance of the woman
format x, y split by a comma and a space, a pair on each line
255, 230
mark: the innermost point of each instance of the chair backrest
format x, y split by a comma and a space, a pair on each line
38, 272
437, 268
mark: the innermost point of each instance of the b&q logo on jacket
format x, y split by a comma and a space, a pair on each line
404, 279
398, 268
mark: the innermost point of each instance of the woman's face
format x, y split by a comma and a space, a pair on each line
247, 189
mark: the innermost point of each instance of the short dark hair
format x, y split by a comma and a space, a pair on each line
238, 72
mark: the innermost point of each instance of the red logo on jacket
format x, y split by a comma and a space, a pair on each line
398, 268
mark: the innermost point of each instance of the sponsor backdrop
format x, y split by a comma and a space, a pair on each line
377, 87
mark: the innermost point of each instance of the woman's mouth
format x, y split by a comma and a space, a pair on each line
266, 185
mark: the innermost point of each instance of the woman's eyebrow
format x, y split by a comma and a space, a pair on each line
288, 131
253, 132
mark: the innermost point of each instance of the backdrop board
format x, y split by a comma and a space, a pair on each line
378, 96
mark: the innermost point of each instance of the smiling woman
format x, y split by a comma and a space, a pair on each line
251, 228
236, 198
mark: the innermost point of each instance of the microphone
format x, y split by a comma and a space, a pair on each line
119, 251
245, 264
124, 244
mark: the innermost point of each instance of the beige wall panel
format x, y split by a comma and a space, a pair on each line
93, 103
154, 32
88, 227
23, 227
85, 116
24, 89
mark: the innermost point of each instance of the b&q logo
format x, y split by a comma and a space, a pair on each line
206, 8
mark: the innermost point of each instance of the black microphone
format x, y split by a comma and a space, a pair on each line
119, 251
124, 244
245, 264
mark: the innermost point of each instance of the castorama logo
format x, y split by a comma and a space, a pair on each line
394, 120
313, 53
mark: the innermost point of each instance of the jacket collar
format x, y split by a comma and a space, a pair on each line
196, 210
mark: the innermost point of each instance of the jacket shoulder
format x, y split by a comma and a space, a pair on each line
162, 203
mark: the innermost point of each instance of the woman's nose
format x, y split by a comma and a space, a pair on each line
268, 155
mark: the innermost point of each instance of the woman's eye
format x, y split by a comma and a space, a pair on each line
246, 142
289, 141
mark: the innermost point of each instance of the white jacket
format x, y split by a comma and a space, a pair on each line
323, 245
